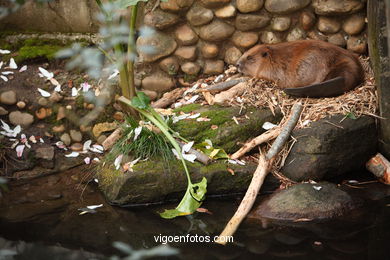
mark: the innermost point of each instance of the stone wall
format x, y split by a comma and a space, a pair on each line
194, 37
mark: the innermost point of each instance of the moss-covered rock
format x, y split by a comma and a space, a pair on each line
159, 181
228, 134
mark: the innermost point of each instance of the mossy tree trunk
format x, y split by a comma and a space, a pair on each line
379, 54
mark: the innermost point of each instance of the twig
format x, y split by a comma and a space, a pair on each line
222, 86
264, 137
168, 98
201, 157
265, 163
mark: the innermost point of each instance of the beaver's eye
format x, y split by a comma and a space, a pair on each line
264, 54
249, 58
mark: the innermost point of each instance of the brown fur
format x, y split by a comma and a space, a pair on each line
303, 63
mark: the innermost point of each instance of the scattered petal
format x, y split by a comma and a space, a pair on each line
193, 99
75, 92
113, 75
203, 119
87, 145
96, 148
60, 145
219, 78
186, 148
7, 72
268, 126
41, 140
96, 180
194, 116
214, 127
19, 150
192, 89
4, 51
33, 139
58, 88
95, 206
24, 68
117, 162
54, 82
44, 93
87, 160
45, 73
1, 64
96, 159
353, 182
4, 78
190, 157
137, 132
86, 211
317, 187
72, 154
12, 64
85, 86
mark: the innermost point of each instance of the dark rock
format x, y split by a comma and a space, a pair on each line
216, 31
285, 7
156, 46
324, 151
154, 181
198, 15
247, 22
337, 7
319, 201
160, 19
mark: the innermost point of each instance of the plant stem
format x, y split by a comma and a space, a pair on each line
131, 50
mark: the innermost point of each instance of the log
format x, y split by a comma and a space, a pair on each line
380, 167
265, 163
112, 138
222, 86
168, 98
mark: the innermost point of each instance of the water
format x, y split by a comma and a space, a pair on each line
44, 213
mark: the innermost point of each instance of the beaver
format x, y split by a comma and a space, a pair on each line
305, 68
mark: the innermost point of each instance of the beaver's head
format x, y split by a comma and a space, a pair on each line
253, 60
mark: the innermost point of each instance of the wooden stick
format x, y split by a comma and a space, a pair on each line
168, 98
222, 86
259, 176
380, 167
201, 157
264, 137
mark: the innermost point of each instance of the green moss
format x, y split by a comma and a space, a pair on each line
187, 108
32, 52
79, 102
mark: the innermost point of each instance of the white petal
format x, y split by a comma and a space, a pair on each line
193, 99
113, 75
54, 82
137, 132
75, 92
96, 148
7, 72
4, 51
175, 153
95, 206
189, 157
232, 161
96, 159
44, 93
19, 150
1, 64
268, 126
5, 126
4, 78
41, 140
24, 68
23, 137
187, 147
87, 145
33, 139
117, 162
12, 64
45, 73
192, 89
317, 187
72, 154
194, 116
58, 88
87, 160
27, 145
17, 130
219, 78
85, 86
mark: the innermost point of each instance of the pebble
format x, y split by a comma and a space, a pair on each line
43, 101
58, 128
101, 139
76, 147
61, 114
21, 104
65, 138
41, 113
22, 119
76, 135
119, 116
8, 97
3, 111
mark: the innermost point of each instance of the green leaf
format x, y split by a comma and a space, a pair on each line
126, 3
192, 200
210, 151
351, 115
141, 101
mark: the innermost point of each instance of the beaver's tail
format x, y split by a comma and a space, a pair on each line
328, 88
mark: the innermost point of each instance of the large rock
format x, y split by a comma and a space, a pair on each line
160, 19
8, 97
247, 6
156, 46
270, 37
354, 24
324, 150
228, 134
22, 119
285, 7
226, 12
185, 35
328, 25
280, 23
175, 5
158, 82
232, 55
216, 31
213, 67
170, 65
158, 181
245, 39
214, 3
186, 53
209, 50
296, 34
198, 15
319, 201
190, 68
247, 22
336, 7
